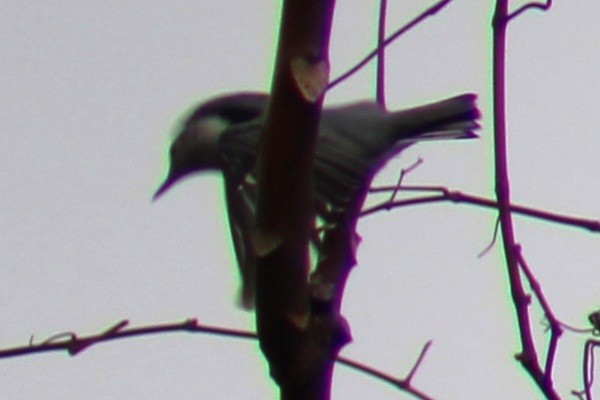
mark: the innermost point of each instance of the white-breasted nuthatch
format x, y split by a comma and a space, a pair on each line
354, 142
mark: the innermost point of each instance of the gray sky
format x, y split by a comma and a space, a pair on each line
90, 96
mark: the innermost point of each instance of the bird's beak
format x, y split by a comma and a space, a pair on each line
164, 187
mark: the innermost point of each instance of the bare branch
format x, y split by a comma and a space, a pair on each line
380, 86
455, 196
75, 344
299, 346
533, 5
528, 356
403, 173
403, 384
588, 371
555, 325
412, 372
416, 21
575, 329
492, 242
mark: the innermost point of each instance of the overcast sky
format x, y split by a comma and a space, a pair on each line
91, 93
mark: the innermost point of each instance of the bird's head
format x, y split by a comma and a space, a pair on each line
195, 149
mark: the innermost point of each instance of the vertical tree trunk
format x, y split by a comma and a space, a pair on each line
297, 343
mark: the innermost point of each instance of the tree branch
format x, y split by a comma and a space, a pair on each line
528, 356
431, 11
380, 85
74, 344
539, 6
299, 346
454, 196
403, 384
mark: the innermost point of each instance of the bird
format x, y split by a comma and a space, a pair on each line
354, 142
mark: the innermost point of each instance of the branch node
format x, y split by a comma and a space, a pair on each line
116, 327
311, 77
191, 324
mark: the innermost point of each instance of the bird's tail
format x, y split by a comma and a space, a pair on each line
453, 118
358, 140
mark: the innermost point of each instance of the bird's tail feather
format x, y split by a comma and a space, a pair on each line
361, 138
453, 118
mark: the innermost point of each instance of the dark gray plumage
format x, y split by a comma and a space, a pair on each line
354, 142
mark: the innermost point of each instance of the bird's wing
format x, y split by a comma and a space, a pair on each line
351, 141
355, 141
241, 209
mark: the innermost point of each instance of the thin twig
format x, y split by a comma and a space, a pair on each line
492, 242
412, 372
403, 173
380, 86
425, 14
540, 6
74, 344
574, 329
404, 384
590, 370
555, 325
454, 196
